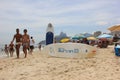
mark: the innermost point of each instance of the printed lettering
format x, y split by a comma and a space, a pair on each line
68, 51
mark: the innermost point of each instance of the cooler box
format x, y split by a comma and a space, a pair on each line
117, 50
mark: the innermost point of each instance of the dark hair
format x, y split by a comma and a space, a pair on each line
116, 44
25, 30
17, 29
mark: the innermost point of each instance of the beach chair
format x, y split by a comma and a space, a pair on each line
117, 51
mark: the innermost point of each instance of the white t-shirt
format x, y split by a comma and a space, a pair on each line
31, 42
118, 46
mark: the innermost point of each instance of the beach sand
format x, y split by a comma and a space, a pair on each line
39, 66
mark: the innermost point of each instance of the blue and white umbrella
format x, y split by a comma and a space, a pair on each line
105, 36
77, 37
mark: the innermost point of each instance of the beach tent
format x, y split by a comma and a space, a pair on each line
105, 36
114, 28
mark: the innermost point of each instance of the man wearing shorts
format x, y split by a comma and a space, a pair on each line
18, 38
25, 42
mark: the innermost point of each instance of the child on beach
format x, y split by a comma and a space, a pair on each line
39, 46
6, 49
11, 49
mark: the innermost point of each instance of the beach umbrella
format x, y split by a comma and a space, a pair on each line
105, 36
117, 29
91, 38
77, 37
64, 40
114, 28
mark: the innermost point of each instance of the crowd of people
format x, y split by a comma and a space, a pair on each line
9, 49
100, 42
20, 40
28, 42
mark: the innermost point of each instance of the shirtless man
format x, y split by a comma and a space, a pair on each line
25, 42
18, 38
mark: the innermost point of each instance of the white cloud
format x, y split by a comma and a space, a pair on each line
102, 23
38, 13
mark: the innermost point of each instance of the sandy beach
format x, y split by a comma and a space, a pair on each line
39, 66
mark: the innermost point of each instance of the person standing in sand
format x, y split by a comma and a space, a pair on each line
25, 42
18, 38
11, 49
6, 50
39, 46
32, 42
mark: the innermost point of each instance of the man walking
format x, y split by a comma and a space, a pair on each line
25, 42
18, 38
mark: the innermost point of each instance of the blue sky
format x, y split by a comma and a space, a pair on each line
70, 16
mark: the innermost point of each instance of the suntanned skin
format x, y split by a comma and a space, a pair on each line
6, 50
11, 49
18, 38
25, 42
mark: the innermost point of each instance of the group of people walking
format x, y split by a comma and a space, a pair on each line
24, 40
9, 49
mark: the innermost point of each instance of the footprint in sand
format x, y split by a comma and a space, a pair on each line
24, 74
2, 79
1, 68
23, 78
